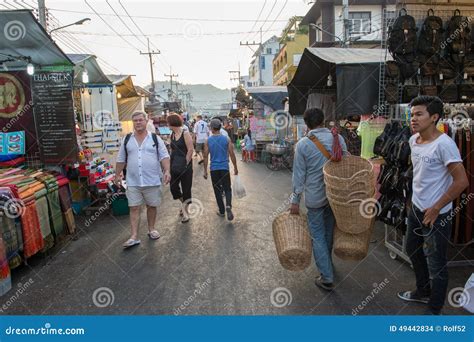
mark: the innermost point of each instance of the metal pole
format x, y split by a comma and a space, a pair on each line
42, 14
345, 16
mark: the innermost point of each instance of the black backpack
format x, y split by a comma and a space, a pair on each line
431, 36
458, 37
402, 36
125, 142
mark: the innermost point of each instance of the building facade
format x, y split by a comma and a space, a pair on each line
326, 22
293, 41
260, 70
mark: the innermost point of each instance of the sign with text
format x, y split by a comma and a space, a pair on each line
54, 117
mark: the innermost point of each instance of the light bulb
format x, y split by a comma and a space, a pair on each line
119, 96
85, 77
30, 69
329, 81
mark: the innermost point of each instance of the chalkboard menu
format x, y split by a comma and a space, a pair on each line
54, 117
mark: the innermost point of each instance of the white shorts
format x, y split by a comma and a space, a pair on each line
137, 195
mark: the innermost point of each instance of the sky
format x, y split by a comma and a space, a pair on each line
198, 40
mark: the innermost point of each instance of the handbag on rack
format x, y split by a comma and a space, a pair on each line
448, 93
409, 93
466, 92
430, 90
391, 93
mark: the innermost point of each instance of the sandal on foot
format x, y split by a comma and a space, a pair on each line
130, 243
154, 235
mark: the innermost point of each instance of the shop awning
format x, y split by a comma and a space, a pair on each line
129, 100
88, 62
124, 85
354, 74
23, 36
271, 96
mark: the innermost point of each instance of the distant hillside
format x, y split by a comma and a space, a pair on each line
206, 97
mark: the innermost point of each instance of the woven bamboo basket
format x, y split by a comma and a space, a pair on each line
292, 241
354, 216
351, 246
351, 173
343, 196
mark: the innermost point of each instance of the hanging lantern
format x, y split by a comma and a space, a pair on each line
30, 69
85, 77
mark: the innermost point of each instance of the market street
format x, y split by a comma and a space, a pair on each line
208, 266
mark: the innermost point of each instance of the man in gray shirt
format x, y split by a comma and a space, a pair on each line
308, 178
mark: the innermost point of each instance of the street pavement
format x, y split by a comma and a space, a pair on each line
208, 266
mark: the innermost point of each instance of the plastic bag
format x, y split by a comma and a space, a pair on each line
238, 188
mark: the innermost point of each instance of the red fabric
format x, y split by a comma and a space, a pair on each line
336, 146
62, 180
13, 162
32, 239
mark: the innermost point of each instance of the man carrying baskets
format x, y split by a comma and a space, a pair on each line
310, 155
439, 178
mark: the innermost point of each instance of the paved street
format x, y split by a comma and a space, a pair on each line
208, 266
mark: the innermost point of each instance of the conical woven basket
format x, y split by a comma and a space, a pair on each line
292, 241
353, 216
351, 173
351, 246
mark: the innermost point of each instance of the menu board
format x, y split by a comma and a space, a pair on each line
54, 117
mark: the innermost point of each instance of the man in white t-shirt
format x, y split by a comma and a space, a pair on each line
439, 178
201, 132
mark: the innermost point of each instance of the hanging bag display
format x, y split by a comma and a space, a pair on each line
402, 35
466, 92
458, 37
431, 36
448, 93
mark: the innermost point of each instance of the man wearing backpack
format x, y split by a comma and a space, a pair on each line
312, 152
439, 178
143, 154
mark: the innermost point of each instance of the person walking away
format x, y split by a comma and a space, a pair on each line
143, 154
249, 147
201, 133
181, 164
220, 148
308, 178
439, 178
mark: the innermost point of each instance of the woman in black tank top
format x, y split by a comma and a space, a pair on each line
181, 164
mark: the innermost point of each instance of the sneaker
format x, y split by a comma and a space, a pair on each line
220, 214
324, 285
413, 296
230, 215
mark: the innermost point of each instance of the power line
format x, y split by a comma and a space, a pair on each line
106, 23
124, 23
164, 18
258, 17
266, 19
279, 13
162, 34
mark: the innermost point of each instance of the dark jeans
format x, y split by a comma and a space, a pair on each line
428, 255
221, 183
181, 184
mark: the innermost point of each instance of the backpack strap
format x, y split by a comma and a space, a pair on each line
320, 146
155, 141
125, 142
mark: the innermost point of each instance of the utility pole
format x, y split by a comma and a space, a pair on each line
171, 76
150, 53
260, 46
42, 14
345, 20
